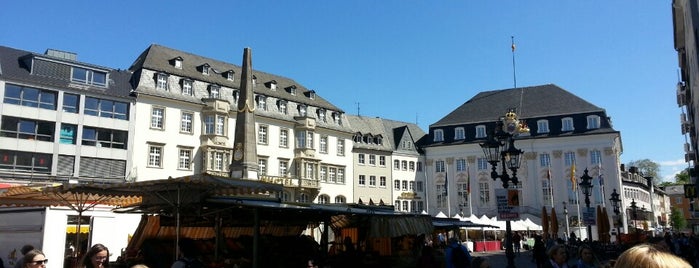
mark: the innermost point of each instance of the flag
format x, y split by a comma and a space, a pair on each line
572, 178
548, 174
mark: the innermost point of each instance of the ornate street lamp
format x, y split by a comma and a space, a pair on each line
500, 148
616, 202
586, 186
634, 209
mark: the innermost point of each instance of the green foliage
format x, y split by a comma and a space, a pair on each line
677, 220
647, 168
682, 177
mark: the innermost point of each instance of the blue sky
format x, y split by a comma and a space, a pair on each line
425, 57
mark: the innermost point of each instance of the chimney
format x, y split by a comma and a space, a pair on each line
622, 167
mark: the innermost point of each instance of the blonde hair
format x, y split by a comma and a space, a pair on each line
139, 266
648, 256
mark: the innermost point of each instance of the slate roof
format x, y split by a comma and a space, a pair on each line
14, 69
158, 58
536, 101
390, 130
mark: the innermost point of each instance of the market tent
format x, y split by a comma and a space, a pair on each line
62, 195
531, 225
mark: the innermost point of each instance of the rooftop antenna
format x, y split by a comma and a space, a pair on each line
357, 108
514, 78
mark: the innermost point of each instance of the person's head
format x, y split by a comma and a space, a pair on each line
586, 254
139, 266
96, 257
646, 255
558, 254
480, 262
25, 249
34, 259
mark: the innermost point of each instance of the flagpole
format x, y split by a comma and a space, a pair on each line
468, 173
446, 188
550, 184
427, 192
601, 183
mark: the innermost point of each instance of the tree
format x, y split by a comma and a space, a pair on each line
683, 177
647, 168
677, 220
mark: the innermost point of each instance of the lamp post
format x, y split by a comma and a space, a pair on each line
634, 210
565, 213
615, 204
586, 186
500, 148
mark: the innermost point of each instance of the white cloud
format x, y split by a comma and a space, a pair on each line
670, 168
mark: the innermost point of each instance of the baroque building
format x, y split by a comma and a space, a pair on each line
568, 136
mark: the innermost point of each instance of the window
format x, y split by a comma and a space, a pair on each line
462, 192
372, 181
220, 125
214, 91
396, 164
440, 193
217, 160
569, 158
404, 165
284, 138
340, 199
340, 147
89, 77
321, 115
185, 160
439, 166
396, 185
323, 199
595, 157
230, 76
419, 166
323, 144
262, 134
382, 181
303, 198
106, 138
404, 185
484, 192
187, 87
411, 186
178, 63
542, 126
302, 110
544, 160
25, 161
460, 164
186, 122
419, 186
209, 122
459, 133
323, 174
546, 190
304, 139
161, 82
567, 124
593, 122
282, 106
362, 180
71, 103
235, 94
372, 160
382, 160
155, 153
262, 164
283, 168
340, 175
68, 134
20, 128
332, 175
310, 170
205, 69
482, 163
157, 117
261, 103
411, 166
438, 135
360, 159
30, 97
480, 132
106, 108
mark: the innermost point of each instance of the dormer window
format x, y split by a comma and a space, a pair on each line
378, 140
302, 110
357, 138
89, 77
205, 69
230, 75
311, 94
321, 115
567, 124
438, 135
272, 85
236, 94
480, 132
177, 62
291, 89
542, 126
254, 80
368, 139
593, 122
214, 91
187, 87
261, 102
161, 82
282, 106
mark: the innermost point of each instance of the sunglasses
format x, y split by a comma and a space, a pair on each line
40, 262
